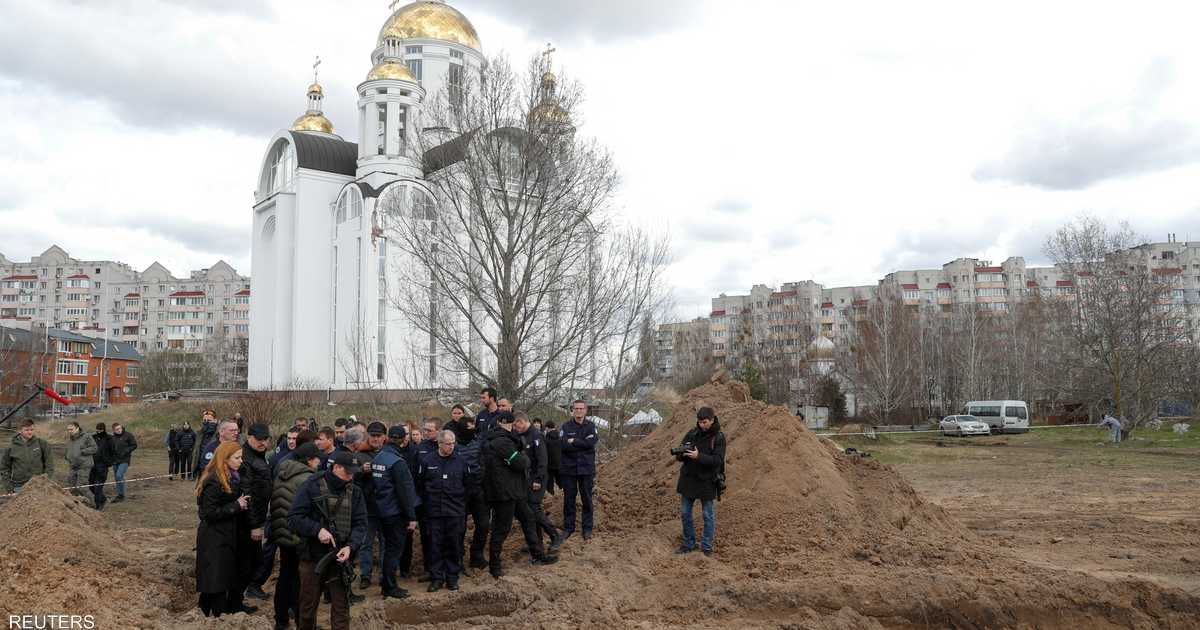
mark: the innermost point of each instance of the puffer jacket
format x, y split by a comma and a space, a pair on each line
292, 474
80, 450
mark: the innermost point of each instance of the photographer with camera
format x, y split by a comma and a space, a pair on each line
701, 477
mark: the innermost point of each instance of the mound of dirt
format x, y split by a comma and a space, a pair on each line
787, 489
62, 557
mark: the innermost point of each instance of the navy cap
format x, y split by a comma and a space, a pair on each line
376, 428
260, 431
397, 432
345, 459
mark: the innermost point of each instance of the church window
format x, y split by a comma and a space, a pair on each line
455, 78
456, 54
280, 169
268, 231
340, 216
381, 142
414, 66
400, 128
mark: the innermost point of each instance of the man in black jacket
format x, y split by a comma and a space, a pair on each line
504, 470
328, 513
100, 464
185, 441
703, 461
123, 446
442, 480
255, 481
535, 448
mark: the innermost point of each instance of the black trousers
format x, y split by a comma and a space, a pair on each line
212, 604
97, 477
446, 547
502, 518
529, 528
249, 553
407, 556
185, 463
287, 587
541, 519
551, 479
480, 513
394, 531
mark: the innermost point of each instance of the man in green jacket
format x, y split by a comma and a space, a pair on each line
80, 449
293, 472
26, 457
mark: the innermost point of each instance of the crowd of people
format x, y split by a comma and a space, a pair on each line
340, 506
328, 500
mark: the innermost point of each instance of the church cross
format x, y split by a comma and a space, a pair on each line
546, 56
316, 62
392, 5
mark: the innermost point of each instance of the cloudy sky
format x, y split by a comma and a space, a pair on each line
775, 141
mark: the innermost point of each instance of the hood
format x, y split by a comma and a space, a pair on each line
17, 440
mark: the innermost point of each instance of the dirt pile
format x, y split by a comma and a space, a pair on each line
62, 557
787, 489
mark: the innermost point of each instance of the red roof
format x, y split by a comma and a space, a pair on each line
1167, 271
129, 295
1031, 284
187, 294
943, 285
827, 305
717, 313
1064, 283
78, 276
783, 294
989, 269
243, 292
21, 278
909, 286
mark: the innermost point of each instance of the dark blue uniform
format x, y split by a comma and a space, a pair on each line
395, 499
443, 482
577, 471
485, 421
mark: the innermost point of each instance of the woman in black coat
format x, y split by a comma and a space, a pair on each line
220, 502
703, 460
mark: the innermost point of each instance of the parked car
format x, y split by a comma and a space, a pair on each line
1003, 416
963, 426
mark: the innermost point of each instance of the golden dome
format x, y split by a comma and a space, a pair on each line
426, 19
313, 122
550, 113
391, 70
316, 87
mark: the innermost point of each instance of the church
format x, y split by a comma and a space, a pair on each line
321, 261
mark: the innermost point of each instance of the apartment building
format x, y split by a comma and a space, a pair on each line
88, 370
208, 311
781, 319
685, 342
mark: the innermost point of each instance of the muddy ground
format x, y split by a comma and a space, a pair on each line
994, 533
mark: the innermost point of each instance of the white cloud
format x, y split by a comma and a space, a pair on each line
776, 141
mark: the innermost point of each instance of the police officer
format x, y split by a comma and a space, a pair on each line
365, 453
395, 499
442, 479
578, 469
227, 431
535, 448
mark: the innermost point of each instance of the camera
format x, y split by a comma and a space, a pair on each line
681, 449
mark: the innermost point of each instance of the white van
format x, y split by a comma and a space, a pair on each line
1003, 416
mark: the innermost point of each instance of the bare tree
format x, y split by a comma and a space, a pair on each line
881, 356
512, 265
166, 370
1123, 318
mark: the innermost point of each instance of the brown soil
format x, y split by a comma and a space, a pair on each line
807, 538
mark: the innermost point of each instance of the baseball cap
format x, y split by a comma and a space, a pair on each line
345, 459
504, 417
376, 428
260, 431
397, 432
